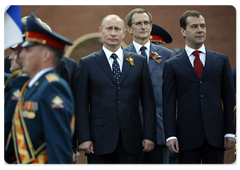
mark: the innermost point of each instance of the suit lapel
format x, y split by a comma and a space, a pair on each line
131, 48
30, 91
152, 63
183, 61
210, 60
101, 59
126, 66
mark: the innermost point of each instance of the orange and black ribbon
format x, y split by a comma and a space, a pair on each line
24, 151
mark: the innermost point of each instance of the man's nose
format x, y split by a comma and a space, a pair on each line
113, 33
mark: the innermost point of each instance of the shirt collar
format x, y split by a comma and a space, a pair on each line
108, 53
138, 46
38, 75
190, 50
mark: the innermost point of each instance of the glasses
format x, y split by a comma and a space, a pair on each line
140, 23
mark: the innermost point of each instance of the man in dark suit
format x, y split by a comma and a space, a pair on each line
108, 124
67, 69
203, 86
141, 33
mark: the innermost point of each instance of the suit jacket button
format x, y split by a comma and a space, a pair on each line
119, 88
202, 95
200, 82
119, 102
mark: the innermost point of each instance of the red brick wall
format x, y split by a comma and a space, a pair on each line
75, 21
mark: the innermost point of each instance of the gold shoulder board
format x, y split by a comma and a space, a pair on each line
52, 77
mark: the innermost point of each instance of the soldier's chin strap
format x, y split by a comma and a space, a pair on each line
24, 150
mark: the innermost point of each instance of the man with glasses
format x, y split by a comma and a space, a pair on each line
139, 25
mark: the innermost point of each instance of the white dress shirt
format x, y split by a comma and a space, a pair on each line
120, 58
147, 50
202, 54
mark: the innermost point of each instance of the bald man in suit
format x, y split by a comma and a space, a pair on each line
111, 131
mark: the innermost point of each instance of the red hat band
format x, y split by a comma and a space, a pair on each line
39, 38
157, 38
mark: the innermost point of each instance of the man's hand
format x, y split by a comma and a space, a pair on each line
173, 145
148, 145
87, 147
229, 143
75, 157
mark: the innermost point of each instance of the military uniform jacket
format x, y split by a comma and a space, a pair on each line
114, 108
12, 92
6, 76
156, 71
48, 107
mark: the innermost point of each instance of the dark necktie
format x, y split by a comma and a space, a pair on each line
116, 68
142, 49
198, 66
143, 53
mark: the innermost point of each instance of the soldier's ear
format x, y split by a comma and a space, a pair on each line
46, 54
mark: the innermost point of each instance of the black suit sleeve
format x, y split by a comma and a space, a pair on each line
81, 94
169, 101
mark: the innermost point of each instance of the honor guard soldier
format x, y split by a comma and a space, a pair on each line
41, 126
12, 90
159, 36
12, 86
